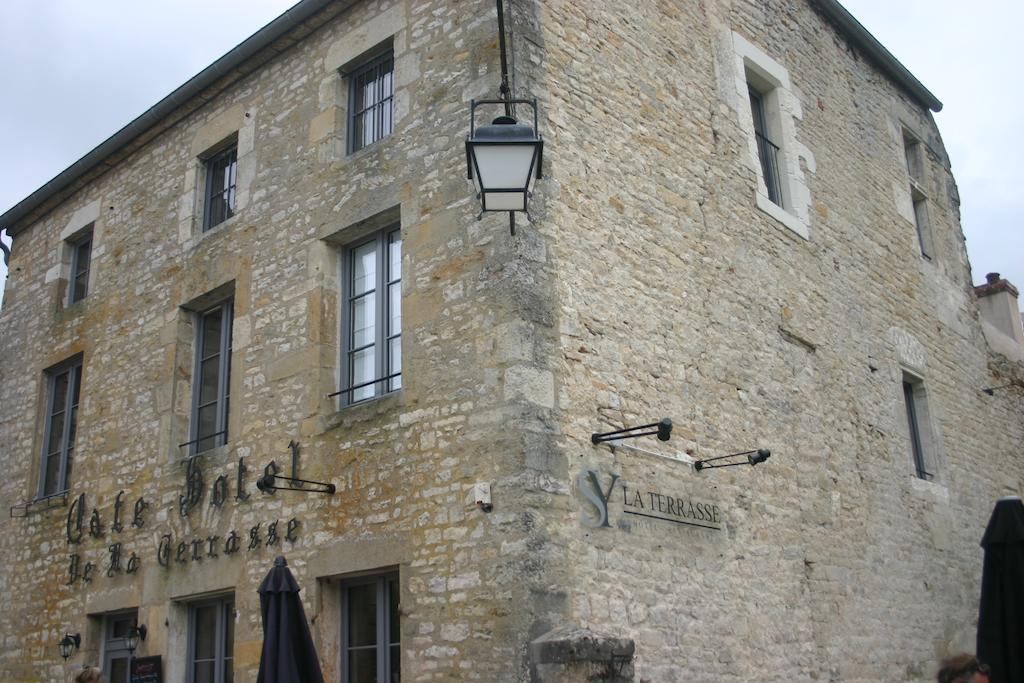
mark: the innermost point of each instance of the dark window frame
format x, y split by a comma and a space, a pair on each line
225, 605
381, 69
386, 613
911, 388
78, 272
385, 377
225, 309
767, 151
914, 157
69, 407
225, 163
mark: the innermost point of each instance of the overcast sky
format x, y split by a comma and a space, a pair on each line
72, 72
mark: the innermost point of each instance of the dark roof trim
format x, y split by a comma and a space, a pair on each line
890, 66
221, 73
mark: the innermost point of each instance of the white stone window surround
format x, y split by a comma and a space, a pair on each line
84, 219
782, 111
237, 125
911, 364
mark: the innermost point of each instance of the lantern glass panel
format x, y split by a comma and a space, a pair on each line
504, 166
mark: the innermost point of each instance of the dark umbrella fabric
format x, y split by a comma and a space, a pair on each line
288, 653
1001, 615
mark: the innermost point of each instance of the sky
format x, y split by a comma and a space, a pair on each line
72, 72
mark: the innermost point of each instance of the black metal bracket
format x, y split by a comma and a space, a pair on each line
354, 387
662, 429
752, 458
992, 390
268, 482
55, 501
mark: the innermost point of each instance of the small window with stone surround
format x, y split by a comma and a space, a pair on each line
220, 183
63, 389
370, 633
371, 279
768, 111
80, 249
920, 438
371, 99
914, 154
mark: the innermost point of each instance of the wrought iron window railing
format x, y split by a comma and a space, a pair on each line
768, 152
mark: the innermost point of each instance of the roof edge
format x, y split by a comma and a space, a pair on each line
262, 39
877, 52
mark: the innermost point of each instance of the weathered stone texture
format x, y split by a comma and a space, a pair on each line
649, 284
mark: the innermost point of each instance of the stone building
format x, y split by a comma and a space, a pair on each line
747, 223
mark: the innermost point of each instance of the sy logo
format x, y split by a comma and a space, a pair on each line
590, 486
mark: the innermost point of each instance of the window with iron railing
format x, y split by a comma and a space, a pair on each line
64, 385
219, 203
767, 151
918, 429
372, 318
211, 378
371, 97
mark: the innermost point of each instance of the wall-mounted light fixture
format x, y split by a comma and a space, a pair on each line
748, 458
505, 156
662, 429
135, 635
68, 644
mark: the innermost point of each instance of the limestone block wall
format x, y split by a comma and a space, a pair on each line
477, 384
679, 297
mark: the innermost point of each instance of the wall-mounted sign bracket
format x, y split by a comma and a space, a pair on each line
662, 429
270, 482
55, 501
751, 458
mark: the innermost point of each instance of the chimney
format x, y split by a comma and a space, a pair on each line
997, 299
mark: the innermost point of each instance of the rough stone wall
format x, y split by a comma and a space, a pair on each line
678, 297
649, 285
476, 397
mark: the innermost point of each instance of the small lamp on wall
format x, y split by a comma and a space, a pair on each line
68, 644
135, 635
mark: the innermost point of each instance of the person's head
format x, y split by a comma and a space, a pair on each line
90, 675
963, 668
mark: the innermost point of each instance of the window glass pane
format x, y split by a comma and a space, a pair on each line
362, 666
229, 629
60, 390
395, 256
52, 483
362, 615
229, 671
363, 368
81, 287
364, 268
119, 628
396, 664
209, 372
395, 308
205, 632
82, 257
363, 323
119, 670
204, 672
395, 362
76, 374
211, 333
56, 433
393, 611
207, 420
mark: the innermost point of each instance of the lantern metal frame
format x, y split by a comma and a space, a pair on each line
536, 163
68, 644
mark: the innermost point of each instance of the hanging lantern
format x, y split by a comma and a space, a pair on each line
504, 158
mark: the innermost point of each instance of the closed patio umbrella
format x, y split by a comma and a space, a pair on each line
1001, 615
288, 654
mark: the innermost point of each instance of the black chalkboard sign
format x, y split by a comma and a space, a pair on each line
147, 670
